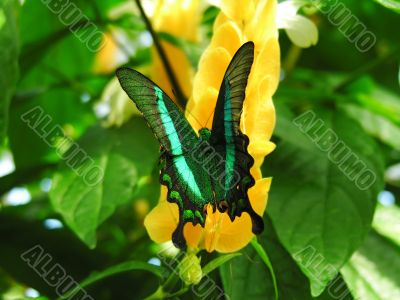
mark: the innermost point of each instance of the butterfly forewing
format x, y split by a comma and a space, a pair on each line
235, 179
231, 96
169, 125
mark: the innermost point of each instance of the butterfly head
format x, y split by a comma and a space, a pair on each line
204, 134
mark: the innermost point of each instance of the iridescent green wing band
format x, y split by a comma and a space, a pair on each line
189, 186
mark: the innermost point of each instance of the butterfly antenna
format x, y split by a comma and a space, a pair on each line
209, 117
198, 122
194, 118
164, 59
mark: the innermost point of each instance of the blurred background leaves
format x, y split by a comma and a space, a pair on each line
312, 203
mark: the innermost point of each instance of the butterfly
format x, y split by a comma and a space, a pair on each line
208, 168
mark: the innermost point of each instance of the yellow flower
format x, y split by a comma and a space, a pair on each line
238, 22
106, 59
180, 18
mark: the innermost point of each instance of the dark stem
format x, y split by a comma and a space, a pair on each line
97, 11
393, 53
171, 76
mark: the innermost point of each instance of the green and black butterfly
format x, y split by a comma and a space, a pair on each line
212, 167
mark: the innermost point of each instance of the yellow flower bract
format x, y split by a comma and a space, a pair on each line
237, 23
179, 18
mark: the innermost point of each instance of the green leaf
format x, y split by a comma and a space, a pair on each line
89, 192
39, 42
67, 112
376, 125
8, 60
320, 214
56, 65
392, 175
120, 268
117, 269
373, 271
376, 98
247, 277
287, 130
398, 76
264, 256
219, 261
386, 222
390, 4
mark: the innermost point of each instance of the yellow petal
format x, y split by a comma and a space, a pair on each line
263, 121
161, 222
193, 235
267, 68
262, 25
200, 116
227, 35
180, 18
219, 21
105, 61
255, 171
180, 66
258, 195
223, 235
212, 67
237, 10
232, 235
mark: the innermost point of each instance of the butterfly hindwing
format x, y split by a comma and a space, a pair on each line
226, 137
189, 186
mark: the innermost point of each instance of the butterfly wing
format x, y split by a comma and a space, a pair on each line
227, 139
172, 130
189, 186
181, 170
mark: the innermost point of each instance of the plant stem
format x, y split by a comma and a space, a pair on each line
181, 99
367, 67
264, 257
171, 281
165, 290
291, 59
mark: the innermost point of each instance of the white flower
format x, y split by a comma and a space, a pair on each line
301, 31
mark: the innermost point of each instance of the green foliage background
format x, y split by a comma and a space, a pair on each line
316, 218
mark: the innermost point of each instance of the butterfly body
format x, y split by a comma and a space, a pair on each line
210, 168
